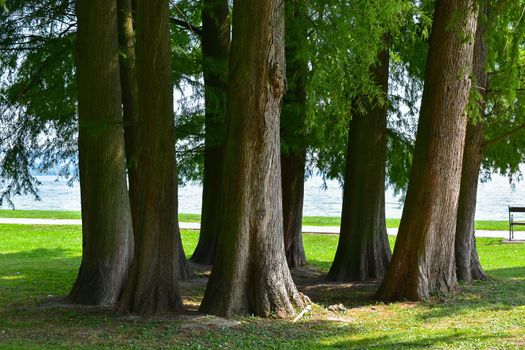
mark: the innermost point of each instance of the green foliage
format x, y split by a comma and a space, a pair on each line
37, 93
346, 40
3, 7
504, 117
187, 69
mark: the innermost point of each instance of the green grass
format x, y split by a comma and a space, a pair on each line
37, 262
40, 214
494, 225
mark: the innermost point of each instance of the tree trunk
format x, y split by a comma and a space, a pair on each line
250, 274
423, 260
183, 269
292, 170
215, 50
468, 266
107, 245
293, 147
128, 79
363, 251
152, 286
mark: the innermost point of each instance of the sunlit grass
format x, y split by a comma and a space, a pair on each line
37, 262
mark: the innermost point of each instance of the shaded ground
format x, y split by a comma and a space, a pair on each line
37, 264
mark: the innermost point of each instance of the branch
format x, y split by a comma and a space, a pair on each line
500, 90
504, 136
185, 24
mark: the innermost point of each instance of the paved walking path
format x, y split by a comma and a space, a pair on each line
196, 226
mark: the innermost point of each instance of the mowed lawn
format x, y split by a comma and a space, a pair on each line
40, 262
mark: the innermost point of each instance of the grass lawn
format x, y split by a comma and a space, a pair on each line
501, 225
39, 262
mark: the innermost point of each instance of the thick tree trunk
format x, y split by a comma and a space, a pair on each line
215, 50
363, 251
423, 260
152, 286
250, 274
128, 78
107, 245
293, 148
468, 266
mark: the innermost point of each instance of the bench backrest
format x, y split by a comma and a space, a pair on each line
516, 209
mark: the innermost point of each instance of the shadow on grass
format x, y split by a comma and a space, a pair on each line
517, 272
34, 274
503, 291
28, 277
88, 330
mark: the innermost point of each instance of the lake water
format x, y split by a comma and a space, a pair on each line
493, 198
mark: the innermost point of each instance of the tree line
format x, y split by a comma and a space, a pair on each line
288, 86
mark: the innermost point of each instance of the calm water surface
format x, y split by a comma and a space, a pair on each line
493, 198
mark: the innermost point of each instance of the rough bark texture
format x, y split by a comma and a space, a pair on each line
423, 260
152, 286
250, 274
363, 251
107, 245
468, 266
128, 78
215, 50
293, 148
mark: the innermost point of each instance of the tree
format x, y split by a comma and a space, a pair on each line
468, 266
215, 42
128, 78
363, 250
107, 245
250, 274
38, 94
423, 259
152, 286
293, 140
494, 138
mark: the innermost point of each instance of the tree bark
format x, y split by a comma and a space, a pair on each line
423, 260
293, 143
250, 274
215, 51
107, 245
152, 286
468, 266
128, 79
292, 169
363, 251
